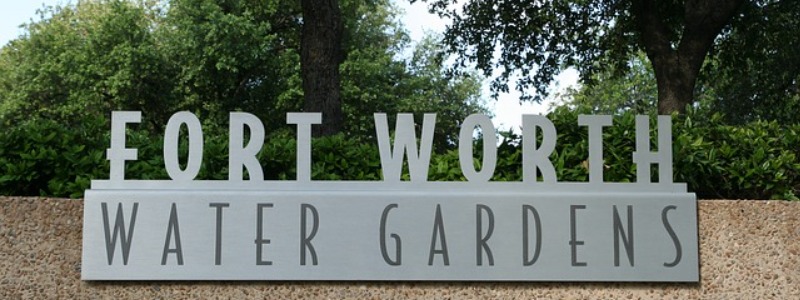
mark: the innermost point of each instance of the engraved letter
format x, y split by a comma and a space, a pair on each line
119, 230
218, 243
673, 236
305, 239
525, 236
173, 229
481, 238
438, 233
573, 235
260, 240
394, 236
627, 239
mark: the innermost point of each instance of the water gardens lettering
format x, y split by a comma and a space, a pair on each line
538, 229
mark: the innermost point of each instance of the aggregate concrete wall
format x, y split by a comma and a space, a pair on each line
748, 250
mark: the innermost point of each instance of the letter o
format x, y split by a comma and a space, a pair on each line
171, 161
489, 148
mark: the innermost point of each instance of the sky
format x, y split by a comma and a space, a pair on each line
507, 109
14, 13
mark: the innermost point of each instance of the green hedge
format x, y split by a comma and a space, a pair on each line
42, 157
756, 161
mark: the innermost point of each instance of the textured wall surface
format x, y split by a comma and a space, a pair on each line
748, 250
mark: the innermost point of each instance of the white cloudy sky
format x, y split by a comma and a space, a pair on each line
507, 109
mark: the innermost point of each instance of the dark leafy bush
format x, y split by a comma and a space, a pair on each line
43, 157
756, 161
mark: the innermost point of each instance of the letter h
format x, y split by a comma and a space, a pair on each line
643, 157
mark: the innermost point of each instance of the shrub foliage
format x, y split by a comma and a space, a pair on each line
758, 160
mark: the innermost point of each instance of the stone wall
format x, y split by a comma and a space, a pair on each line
748, 250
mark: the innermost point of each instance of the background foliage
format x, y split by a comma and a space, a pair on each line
211, 57
755, 161
59, 82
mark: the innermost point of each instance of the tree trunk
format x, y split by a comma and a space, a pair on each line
676, 67
675, 78
320, 56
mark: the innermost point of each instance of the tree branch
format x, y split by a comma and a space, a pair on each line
704, 19
654, 34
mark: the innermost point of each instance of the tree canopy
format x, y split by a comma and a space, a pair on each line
78, 62
752, 74
215, 56
611, 93
538, 39
85, 60
755, 70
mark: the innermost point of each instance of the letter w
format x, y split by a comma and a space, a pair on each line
405, 143
119, 230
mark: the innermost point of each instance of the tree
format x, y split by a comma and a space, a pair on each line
234, 55
320, 56
755, 70
377, 78
543, 37
83, 61
212, 57
611, 93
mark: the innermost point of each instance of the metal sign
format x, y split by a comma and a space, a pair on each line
477, 230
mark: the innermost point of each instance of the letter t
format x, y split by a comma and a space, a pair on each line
304, 121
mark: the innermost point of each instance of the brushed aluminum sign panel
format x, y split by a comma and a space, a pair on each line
538, 229
396, 235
